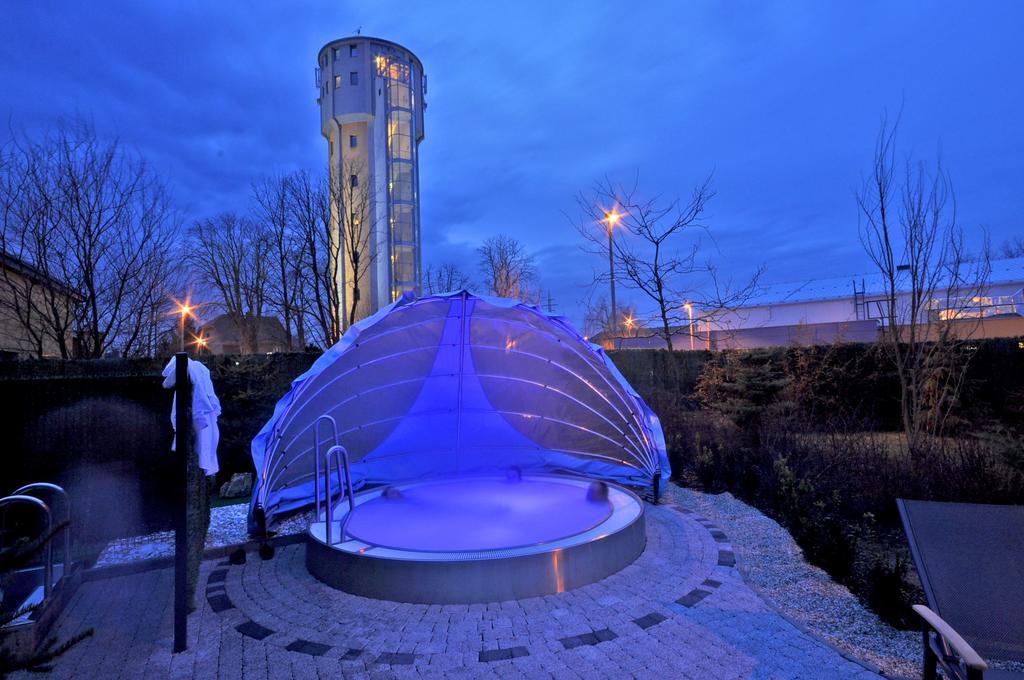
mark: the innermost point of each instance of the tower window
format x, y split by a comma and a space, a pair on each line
337, 54
354, 181
337, 82
353, 78
353, 141
353, 50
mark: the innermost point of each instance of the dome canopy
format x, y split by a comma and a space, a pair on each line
458, 384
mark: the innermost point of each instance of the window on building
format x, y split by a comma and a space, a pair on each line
353, 50
402, 227
353, 141
401, 181
353, 78
337, 82
354, 181
337, 54
975, 307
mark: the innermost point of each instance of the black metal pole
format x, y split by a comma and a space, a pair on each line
183, 429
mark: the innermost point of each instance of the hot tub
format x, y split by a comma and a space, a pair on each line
478, 539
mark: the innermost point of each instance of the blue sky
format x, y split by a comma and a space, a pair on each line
529, 103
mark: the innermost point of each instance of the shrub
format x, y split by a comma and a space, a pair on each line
888, 593
811, 437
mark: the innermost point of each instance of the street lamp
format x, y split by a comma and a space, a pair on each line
184, 310
629, 322
612, 217
689, 308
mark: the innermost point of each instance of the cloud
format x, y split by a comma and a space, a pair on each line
529, 103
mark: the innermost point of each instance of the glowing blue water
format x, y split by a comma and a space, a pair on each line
477, 514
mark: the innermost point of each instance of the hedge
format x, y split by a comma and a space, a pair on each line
102, 428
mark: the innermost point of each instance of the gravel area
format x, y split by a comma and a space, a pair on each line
773, 563
228, 526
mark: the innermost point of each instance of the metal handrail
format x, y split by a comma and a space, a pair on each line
35, 502
316, 458
58, 490
339, 452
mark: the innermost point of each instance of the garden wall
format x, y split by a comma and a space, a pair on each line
102, 430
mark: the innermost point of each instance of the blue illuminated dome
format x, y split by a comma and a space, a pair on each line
459, 384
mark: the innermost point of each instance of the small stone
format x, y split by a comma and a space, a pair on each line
238, 486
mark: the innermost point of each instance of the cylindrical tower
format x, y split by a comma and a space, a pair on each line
371, 112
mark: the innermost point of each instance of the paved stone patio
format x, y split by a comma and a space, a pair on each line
680, 611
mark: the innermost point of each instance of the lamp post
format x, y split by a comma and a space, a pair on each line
689, 308
184, 310
612, 217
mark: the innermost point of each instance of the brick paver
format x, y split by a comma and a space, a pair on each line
680, 611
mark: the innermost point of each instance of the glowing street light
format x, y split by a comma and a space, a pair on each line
689, 308
611, 218
630, 323
184, 309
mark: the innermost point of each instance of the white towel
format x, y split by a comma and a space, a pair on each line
205, 411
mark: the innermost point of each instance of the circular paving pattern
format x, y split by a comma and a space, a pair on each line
687, 560
680, 611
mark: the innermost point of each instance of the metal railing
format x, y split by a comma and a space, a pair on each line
54, 490
34, 502
338, 452
316, 458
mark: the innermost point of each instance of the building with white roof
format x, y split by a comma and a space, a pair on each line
846, 309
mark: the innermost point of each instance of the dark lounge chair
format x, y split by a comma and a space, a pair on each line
971, 562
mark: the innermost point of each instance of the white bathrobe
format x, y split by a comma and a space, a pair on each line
205, 410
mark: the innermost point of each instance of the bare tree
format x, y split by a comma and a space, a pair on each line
656, 252
311, 206
41, 308
231, 255
155, 308
353, 200
597, 318
507, 268
272, 198
445, 278
1013, 247
909, 230
92, 217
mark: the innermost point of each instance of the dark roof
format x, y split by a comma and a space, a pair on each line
270, 329
30, 271
353, 38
